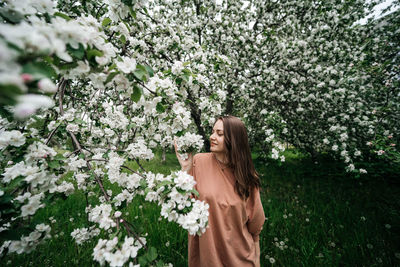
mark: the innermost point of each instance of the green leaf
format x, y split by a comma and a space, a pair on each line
67, 66
137, 93
180, 133
54, 164
105, 22
146, 191
39, 70
160, 107
152, 254
111, 76
123, 39
11, 15
114, 234
186, 74
194, 191
6, 199
78, 53
163, 183
62, 15
185, 77
130, 126
150, 71
93, 53
143, 183
80, 121
8, 92
142, 261
132, 12
113, 66
178, 80
140, 72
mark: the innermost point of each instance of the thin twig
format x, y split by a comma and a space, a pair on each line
51, 135
141, 167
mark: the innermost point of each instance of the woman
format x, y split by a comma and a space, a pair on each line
227, 181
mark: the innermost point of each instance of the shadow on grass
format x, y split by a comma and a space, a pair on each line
327, 216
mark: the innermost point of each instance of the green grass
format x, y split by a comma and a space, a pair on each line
327, 208
324, 224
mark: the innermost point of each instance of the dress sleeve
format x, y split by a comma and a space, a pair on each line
255, 213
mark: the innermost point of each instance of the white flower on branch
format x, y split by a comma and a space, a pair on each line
47, 86
33, 205
82, 235
64, 187
184, 181
13, 138
139, 150
28, 104
101, 215
188, 143
127, 65
109, 251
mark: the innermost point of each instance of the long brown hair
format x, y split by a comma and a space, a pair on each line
239, 155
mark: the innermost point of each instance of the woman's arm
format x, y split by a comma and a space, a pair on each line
256, 214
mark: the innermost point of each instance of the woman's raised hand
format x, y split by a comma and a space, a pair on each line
186, 165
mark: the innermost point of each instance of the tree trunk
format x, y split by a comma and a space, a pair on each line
196, 115
229, 101
163, 155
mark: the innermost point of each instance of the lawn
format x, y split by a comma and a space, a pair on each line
316, 216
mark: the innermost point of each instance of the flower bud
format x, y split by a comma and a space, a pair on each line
47, 86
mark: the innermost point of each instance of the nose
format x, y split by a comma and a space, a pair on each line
212, 137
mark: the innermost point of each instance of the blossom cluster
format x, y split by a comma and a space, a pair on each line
82, 235
174, 194
188, 143
28, 243
109, 251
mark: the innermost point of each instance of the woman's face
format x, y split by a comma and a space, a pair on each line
217, 144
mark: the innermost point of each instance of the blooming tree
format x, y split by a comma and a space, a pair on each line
79, 100
294, 70
318, 78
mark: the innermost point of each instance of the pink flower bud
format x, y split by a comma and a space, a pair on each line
380, 152
26, 77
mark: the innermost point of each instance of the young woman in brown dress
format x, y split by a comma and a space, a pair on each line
227, 181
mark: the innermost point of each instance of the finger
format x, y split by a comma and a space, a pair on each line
176, 147
176, 152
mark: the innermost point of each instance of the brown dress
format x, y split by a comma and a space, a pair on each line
234, 224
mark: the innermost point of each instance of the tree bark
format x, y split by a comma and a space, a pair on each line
163, 155
196, 116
